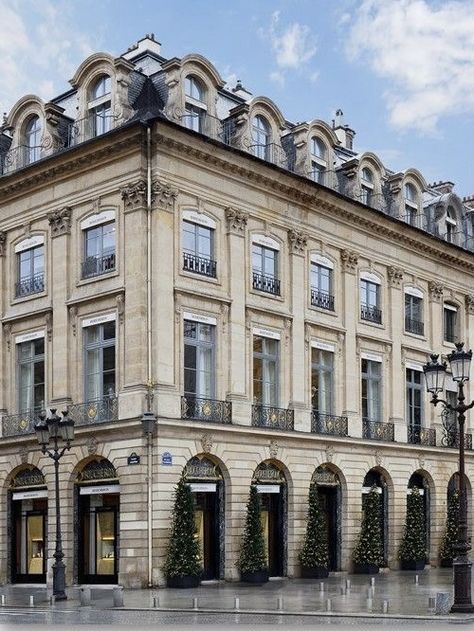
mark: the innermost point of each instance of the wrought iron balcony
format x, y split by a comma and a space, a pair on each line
371, 313
89, 127
199, 265
18, 424
421, 435
321, 299
204, 123
270, 152
275, 418
31, 285
329, 424
414, 326
374, 430
416, 219
19, 157
266, 283
451, 439
200, 409
98, 265
103, 410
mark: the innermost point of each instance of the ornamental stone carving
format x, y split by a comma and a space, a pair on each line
60, 221
273, 449
436, 290
3, 243
206, 442
23, 453
329, 453
49, 325
163, 194
73, 319
378, 457
120, 300
134, 194
236, 220
92, 445
421, 461
395, 276
298, 241
7, 330
349, 261
470, 304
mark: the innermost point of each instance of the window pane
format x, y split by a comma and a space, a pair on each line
257, 344
189, 237
109, 330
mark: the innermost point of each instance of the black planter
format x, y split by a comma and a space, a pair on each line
412, 565
183, 582
314, 572
445, 563
256, 578
366, 568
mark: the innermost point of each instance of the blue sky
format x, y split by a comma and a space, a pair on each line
401, 70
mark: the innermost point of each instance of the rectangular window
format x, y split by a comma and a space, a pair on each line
31, 376
370, 302
450, 323
322, 381
198, 249
199, 360
99, 361
321, 287
415, 389
414, 315
371, 390
265, 269
30, 272
99, 250
318, 172
265, 371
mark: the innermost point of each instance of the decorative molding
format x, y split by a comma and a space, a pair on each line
3, 243
340, 343
206, 442
236, 220
378, 457
225, 316
163, 195
436, 290
7, 331
349, 261
421, 461
73, 319
92, 445
307, 336
49, 325
298, 241
288, 323
120, 300
23, 453
329, 453
469, 300
273, 449
395, 276
60, 221
134, 195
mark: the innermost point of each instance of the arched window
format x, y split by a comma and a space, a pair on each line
195, 106
33, 132
100, 107
411, 204
319, 160
261, 136
450, 225
367, 186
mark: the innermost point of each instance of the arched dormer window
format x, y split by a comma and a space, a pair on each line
319, 160
411, 204
33, 131
100, 106
261, 137
450, 225
367, 186
195, 105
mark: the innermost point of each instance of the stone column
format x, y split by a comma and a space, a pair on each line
435, 342
395, 380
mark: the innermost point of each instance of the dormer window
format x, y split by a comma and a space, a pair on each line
195, 106
261, 136
319, 160
411, 205
100, 107
367, 187
450, 225
33, 131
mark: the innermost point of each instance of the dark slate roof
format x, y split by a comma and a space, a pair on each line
148, 103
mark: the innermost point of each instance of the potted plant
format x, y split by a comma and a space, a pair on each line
368, 553
252, 561
447, 553
314, 557
183, 562
412, 553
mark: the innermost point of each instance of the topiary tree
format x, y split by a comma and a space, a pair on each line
184, 555
315, 546
447, 552
413, 546
253, 556
369, 548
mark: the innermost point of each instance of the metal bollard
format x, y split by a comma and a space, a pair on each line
321, 587
348, 584
52, 600
385, 606
372, 582
280, 603
431, 603
342, 591
236, 603
3, 600
156, 601
118, 596
369, 604
85, 596
32, 601
417, 578
195, 603
328, 604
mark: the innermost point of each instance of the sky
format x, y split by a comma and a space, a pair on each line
402, 71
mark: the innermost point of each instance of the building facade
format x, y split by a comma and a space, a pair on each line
170, 244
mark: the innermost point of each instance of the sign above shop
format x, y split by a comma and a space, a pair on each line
133, 458
99, 490
29, 495
166, 459
268, 488
202, 487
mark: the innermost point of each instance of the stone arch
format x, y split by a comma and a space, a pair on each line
380, 477
26, 106
317, 127
413, 176
265, 106
194, 61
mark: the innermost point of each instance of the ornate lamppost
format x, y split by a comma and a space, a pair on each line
435, 372
52, 430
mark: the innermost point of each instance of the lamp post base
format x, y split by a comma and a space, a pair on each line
462, 586
59, 580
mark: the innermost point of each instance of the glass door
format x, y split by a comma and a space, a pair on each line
98, 547
28, 541
272, 524
207, 532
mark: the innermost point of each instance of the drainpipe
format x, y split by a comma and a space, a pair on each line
149, 435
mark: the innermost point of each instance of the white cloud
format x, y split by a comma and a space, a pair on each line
277, 77
425, 51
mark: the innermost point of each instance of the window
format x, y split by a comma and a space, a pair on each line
100, 361
265, 269
265, 371
322, 371
370, 301
414, 314
450, 323
415, 389
198, 249
367, 187
411, 205
30, 272
371, 390
321, 287
100, 106
99, 250
450, 225
31, 376
199, 353
261, 137
195, 106
319, 160
33, 132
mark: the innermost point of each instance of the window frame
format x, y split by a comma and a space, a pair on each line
455, 329
410, 312
261, 130
373, 384
33, 151
99, 108
195, 108
99, 345
40, 275
103, 255
321, 368
367, 186
30, 362
319, 160
267, 358
201, 347
413, 388
316, 269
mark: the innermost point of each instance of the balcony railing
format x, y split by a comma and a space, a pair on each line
451, 439
199, 265
204, 123
414, 326
421, 435
89, 127
329, 424
200, 409
18, 424
371, 313
266, 283
18, 158
97, 265
418, 220
31, 285
321, 299
97, 411
374, 430
271, 153
274, 418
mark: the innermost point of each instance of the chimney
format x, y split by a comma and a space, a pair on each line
442, 187
239, 90
344, 133
146, 44
468, 201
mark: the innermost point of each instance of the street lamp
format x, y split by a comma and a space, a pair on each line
54, 429
435, 372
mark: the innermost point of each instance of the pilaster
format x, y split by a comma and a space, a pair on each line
395, 381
